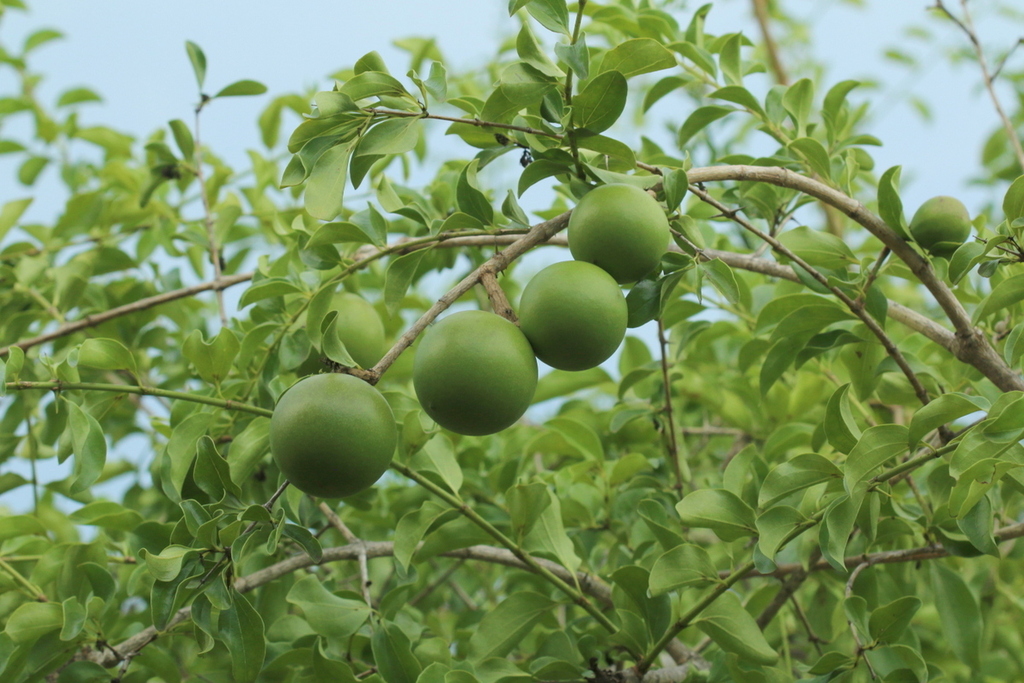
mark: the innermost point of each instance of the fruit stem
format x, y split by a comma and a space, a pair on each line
496, 295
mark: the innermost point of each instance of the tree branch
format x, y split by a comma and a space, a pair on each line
140, 305
142, 391
856, 308
971, 345
761, 14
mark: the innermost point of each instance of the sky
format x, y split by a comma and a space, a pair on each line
132, 54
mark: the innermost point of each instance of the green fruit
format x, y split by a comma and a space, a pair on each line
332, 435
474, 373
941, 225
620, 228
359, 328
574, 315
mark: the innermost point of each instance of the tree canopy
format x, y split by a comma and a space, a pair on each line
804, 462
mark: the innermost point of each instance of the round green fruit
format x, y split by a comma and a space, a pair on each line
332, 435
359, 328
474, 373
941, 225
620, 228
574, 315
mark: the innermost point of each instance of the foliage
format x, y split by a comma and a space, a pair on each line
806, 463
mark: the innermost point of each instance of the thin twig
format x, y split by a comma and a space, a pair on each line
471, 122
433, 585
670, 431
208, 223
967, 26
364, 569
853, 627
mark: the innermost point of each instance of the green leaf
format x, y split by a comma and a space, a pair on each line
32, 620
74, 615
531, 52
729, 59
166, 565
798, 101
1007, 293
684, 566
181, 451
392, 653
525, 503
840, 427
836, 96
106, 354
581, 437
943, 410
242, 88
600, 103
675, 185
966, 256
548, 535
306, 541
643, 303
563, 382
372, 84
505, 627
108, 515
815, 155
332, 617
325, 189
410, 529
394, 136
734, 630
333, 347
819, 249
721, 277
719, 510
212, 473
1013, 200
890, 206
773, 525
876, 446
576, 56
737, 94
11, 212
888, 622
213, 359
399, 277
700, 119
241, 628
248, 449
469, 197
183, 138
198, 59
90, 447
631, 593
264, 289
803, 471
637, 56
552, 14
840, 517
959, 614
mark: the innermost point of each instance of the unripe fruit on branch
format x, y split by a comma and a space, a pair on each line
574, 315
332, 435
620, 228
474, 373
359, 328
941, 225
